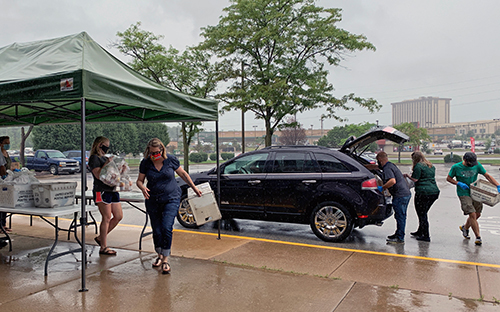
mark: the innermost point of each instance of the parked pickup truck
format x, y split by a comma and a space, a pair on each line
53, 161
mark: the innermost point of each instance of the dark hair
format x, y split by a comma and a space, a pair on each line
3, 138
418, 157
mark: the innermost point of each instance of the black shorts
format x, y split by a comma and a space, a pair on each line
106, 197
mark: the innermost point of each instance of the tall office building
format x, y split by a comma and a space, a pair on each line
427, 111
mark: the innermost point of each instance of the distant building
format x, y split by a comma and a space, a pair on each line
479, 129
426, 111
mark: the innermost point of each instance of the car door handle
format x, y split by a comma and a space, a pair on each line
307, 182
254, 182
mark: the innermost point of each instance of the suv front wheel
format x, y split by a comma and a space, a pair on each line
185, 215
331, 222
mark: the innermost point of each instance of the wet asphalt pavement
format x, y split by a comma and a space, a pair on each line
445, 216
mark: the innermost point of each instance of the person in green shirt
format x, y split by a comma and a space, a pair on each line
426, 193
465, 173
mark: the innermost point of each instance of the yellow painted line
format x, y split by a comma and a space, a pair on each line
369, 252
378, 253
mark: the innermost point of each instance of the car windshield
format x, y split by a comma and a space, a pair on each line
55, 154
247, 164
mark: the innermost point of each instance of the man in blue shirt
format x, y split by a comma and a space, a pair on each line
396, 184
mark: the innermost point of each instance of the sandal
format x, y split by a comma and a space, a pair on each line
97, 240
157, 263
165, 268
108, 252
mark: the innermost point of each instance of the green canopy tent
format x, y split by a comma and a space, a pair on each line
73, 79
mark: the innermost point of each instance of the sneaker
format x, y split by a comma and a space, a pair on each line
393, 236
423, 238
395, 241
465, 232
478, 241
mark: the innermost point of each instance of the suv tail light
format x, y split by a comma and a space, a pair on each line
369, 184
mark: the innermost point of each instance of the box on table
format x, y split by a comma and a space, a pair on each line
57, 194
484, 192
16, 195
204, 208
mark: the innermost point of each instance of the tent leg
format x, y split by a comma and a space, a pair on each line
83, 215
218, 173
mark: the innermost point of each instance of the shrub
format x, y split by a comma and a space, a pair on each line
226, 156
213, 156
198, 157
456, 158
496, 151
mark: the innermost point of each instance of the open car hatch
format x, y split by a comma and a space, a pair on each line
353, 144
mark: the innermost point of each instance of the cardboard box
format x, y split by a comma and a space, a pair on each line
484, 192
57, 194
16, 195
204, 208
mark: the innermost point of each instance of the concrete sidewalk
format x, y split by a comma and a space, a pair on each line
233, 274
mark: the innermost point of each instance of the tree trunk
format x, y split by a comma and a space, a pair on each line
23, 143
269, 133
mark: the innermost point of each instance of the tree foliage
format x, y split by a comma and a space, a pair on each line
284, 46
124, 138
292, 133
417, 135
190, 72
336, 137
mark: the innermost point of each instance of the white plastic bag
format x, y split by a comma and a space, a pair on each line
410, 182
110, 174
23, 176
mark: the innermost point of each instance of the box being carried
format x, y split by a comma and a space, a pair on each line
16, 195
204, 208
484, 192
57, 194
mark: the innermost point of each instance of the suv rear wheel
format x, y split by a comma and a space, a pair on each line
331, 222
185, 215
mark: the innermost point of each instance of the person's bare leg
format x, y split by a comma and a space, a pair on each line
473, 224
117, 213
105, 210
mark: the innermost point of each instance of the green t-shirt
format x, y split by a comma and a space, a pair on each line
466, 175
426, 184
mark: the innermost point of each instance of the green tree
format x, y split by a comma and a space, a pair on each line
338, 135
417, 135
147, 131
190, 72
125, 138
285, 45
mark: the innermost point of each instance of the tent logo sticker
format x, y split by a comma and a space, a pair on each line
67, 84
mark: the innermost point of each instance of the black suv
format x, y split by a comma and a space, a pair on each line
330, 189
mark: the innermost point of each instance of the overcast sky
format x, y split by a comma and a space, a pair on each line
446, 49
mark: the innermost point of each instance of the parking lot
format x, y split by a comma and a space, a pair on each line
445, 216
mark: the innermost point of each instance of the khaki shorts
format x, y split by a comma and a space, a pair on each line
469, 205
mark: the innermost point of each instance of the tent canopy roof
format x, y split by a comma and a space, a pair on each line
44, 82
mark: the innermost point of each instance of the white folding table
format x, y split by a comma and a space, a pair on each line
57, 212
128, 197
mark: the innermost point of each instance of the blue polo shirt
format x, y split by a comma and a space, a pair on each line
163, 181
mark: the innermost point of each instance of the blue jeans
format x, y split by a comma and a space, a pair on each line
162, 216
400, 205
